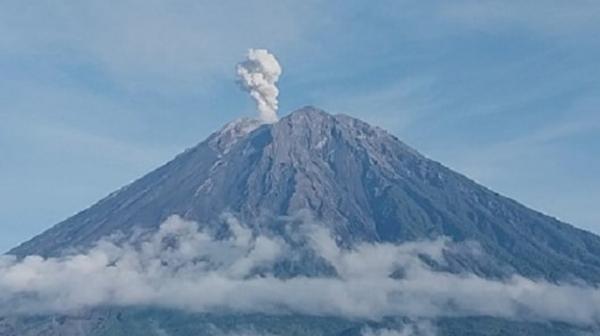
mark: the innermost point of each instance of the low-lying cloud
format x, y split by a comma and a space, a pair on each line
181, 266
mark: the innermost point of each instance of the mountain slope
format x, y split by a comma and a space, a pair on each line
358, 180
160, 322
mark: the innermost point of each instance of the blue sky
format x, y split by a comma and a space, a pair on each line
95, 94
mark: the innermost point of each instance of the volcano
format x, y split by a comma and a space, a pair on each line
361, 183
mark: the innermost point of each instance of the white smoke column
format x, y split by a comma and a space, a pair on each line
258, 75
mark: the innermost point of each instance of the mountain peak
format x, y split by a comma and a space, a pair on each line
308, 111
233, 131
308, 116
356, 179
316, 123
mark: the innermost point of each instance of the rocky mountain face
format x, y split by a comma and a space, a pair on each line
160, 322
358, 180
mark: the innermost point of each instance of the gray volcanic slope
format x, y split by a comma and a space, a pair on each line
359, 180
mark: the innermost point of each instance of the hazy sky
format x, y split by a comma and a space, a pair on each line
94, 94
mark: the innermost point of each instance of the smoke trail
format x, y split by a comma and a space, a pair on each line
258, 75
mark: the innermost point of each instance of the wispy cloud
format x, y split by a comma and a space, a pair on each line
558, 18
142, 44
395, 107
547, 166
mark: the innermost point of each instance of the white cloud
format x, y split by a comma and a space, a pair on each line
258, 75
186, 268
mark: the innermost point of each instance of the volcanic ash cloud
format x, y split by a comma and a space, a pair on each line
258, 75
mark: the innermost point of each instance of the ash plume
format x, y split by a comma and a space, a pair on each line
258, 75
